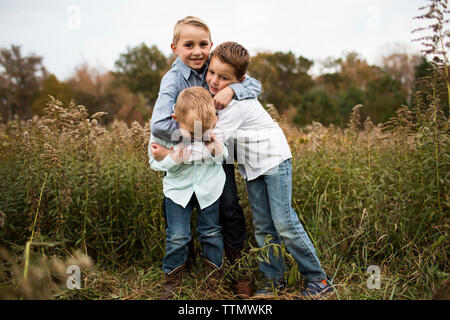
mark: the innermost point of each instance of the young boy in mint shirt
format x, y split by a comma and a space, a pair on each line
190, 184
192, 44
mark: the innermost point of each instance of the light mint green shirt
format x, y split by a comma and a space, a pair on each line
204, 178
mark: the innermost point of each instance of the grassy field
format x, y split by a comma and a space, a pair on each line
75, 192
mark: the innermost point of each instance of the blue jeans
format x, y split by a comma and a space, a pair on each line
270, 197
178, 233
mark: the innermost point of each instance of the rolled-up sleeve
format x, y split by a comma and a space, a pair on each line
164, 165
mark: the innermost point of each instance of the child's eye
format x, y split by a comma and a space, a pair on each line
188, 45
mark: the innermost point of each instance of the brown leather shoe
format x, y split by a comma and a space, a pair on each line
213, 275
172, 282
244, 288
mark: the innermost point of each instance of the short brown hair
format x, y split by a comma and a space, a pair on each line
196, 104
235, 55
190, 20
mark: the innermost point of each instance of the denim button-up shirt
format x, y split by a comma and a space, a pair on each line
180, 77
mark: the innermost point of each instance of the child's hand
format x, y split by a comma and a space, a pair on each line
158, 152
180, 155
214, 146
223, 98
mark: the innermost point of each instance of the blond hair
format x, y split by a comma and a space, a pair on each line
196, 104
189, 20
233, 54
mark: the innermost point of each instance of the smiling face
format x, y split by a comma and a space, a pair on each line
193, 46
220, 75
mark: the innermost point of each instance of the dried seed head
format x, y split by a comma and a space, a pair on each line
355, 119
50, 158
2, 218
98, 115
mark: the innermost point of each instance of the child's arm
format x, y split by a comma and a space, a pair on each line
230, 120
165, 164
159, 152
174, 157
167, 157
249, 88
213, 151
162, 124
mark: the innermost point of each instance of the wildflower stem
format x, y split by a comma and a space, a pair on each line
86, 193
29, 242
436, 153
441, 37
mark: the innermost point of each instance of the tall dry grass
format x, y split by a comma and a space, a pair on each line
377, 196
367, 195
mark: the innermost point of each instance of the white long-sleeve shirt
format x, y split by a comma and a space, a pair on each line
260, 143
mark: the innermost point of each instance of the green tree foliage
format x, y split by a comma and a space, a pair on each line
128, 92
20, 79
51, 87
284, 77
423, 69
141, 69
330, 97
435, 40
349, 98
316, 105
383, 96
401, 65
353, 81
423, 77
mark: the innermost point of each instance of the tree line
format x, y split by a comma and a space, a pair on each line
130, 90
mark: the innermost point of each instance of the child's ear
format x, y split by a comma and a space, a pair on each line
174, 48
174, 117
241, 78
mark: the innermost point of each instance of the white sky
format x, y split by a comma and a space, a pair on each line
67, 33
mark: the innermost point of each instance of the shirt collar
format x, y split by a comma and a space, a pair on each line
185, 70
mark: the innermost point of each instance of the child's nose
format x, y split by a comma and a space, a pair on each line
197, 50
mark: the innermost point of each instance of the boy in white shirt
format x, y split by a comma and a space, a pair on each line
264, 160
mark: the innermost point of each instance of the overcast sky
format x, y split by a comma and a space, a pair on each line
67, 33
